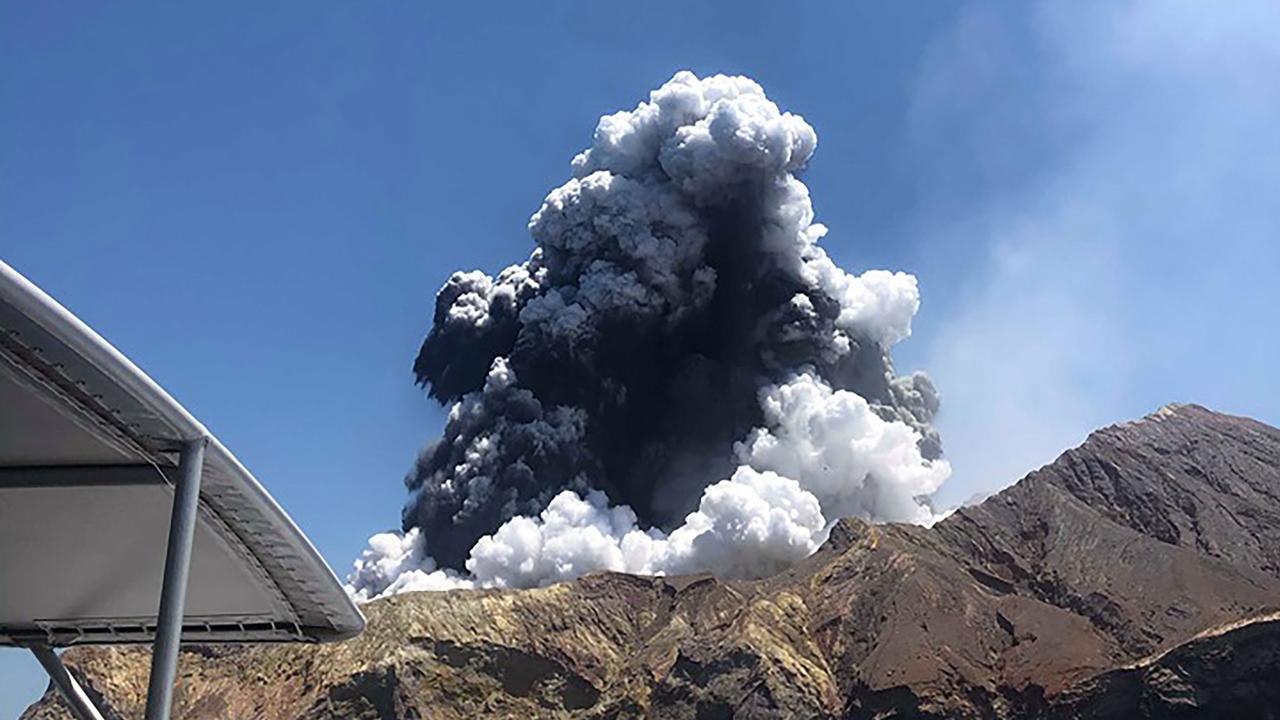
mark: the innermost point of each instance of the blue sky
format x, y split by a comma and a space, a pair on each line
1087, 195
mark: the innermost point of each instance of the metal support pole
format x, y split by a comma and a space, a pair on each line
81, 706
173, 593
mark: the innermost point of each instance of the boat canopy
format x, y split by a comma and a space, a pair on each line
95, 459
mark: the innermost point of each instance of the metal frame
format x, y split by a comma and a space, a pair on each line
81, 705
173, 592
173, 599
86, 475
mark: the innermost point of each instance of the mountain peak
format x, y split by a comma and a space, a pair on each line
1192, 416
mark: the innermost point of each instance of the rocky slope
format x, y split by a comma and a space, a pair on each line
1138, 575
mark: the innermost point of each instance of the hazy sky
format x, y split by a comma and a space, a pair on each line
1087, 194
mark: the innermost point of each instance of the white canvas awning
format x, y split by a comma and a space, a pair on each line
90, 449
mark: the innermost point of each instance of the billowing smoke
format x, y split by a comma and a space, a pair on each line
677, 379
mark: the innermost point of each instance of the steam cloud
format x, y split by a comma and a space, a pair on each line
677, 379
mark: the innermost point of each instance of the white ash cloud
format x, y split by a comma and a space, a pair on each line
399, 562
838, 448
752, 524
678, 378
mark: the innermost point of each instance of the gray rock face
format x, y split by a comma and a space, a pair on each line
1137, 576
1185, 476
1230, 672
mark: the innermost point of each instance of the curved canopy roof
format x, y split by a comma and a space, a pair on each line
88, 456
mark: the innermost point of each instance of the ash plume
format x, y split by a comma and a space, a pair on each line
677, 378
